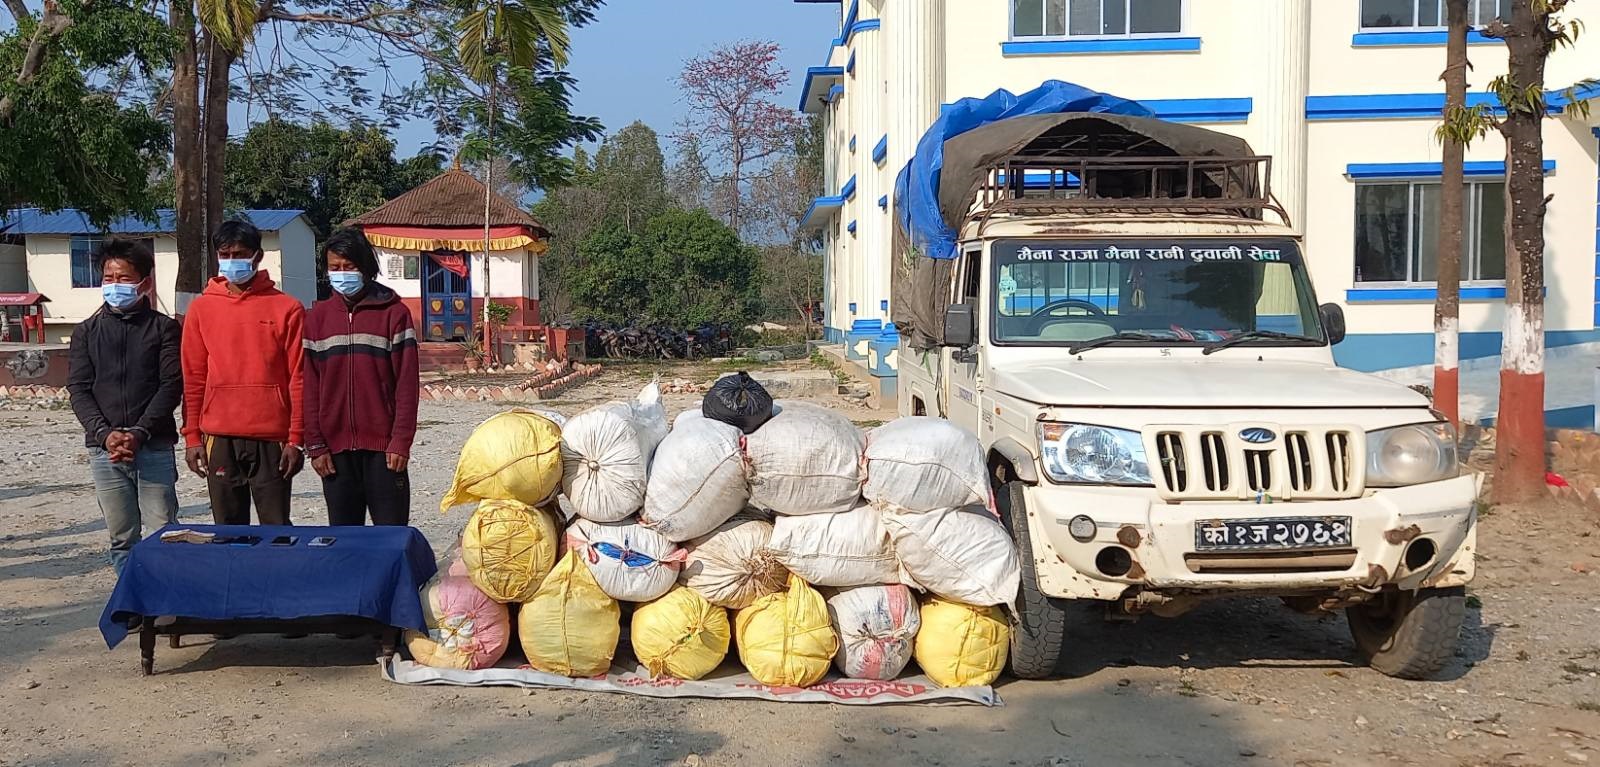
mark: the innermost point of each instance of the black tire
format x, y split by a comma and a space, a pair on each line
1039, 635
1409, 634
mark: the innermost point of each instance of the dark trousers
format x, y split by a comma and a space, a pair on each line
362, 482
240, 471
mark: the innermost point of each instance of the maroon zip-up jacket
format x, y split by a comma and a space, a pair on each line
360, 375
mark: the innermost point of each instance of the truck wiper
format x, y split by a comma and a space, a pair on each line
1095, 343
1252, 335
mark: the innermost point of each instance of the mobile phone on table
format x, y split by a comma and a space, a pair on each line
322, 541
286, 540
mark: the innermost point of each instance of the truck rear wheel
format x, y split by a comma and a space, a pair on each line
1409, 634
1039, 634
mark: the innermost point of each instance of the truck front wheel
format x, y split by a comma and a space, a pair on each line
1039, 634
1409, 634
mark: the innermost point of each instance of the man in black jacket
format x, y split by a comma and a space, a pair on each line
125, 379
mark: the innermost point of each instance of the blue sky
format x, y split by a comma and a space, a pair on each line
626, 61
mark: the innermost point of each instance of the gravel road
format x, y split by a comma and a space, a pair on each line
1242, 682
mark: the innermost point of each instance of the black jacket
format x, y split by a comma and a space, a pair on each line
125, 374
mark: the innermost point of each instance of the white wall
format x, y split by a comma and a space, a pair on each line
508, 273
293, 249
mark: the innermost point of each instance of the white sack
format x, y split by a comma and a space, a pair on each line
963, 555
851, 548
632, 563
605, 456
805, 460
696, 481
876, 626
731, 567
551, 416
922, 463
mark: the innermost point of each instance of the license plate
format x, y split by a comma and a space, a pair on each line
1285, 533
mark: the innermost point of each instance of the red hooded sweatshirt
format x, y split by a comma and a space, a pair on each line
241, 363
361, 375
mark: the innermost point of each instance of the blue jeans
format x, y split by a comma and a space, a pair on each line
146, 488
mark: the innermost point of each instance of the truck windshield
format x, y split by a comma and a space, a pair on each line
1171, 292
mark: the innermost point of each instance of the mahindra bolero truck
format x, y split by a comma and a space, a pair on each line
1128, 324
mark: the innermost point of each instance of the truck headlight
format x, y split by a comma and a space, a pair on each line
1412, 455
1092, 454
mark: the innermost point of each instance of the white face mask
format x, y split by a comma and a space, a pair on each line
236, 270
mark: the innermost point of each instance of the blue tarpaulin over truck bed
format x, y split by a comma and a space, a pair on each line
916, 190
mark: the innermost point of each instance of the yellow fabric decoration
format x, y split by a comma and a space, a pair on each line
508, 549
570, 627
786, 639
961, 645
496, 244
681, 635
512, 456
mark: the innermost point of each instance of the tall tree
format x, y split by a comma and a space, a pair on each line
792, 263
1534, 30
631, 174
1452, 217
66, 142
689, 180
730, 93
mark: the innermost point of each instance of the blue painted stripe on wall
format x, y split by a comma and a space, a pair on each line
866, 326
861, 26
1123, 45
1401, 105
850, 66
1384, 351
883, 202
1201, 110
848, 191
1381, 295
1429, 169
1388, 39
880, 151
852, 143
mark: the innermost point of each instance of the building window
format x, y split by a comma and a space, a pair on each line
1426, 14
83, 272
1095, 18
1397, 232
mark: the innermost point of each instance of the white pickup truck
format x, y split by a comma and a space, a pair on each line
1142, 355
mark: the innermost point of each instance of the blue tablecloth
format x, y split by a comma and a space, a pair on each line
369, 572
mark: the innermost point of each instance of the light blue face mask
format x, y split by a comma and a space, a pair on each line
120, 295
347, 283
236, 270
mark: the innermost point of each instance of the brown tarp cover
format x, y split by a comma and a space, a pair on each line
921, 285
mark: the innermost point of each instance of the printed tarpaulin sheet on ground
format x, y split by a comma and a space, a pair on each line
729, 681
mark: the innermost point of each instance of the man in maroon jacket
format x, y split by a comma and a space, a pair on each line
361, 389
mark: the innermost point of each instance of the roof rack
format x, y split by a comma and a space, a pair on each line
1043, 186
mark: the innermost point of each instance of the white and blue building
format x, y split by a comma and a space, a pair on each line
1344, 95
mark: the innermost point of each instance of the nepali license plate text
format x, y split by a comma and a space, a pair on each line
1279, 533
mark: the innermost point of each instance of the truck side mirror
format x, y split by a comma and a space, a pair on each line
1332, 322
960, 326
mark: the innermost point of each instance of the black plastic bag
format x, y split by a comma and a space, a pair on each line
737, 400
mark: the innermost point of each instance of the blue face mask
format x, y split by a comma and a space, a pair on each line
120, 295
347, 283
236, 270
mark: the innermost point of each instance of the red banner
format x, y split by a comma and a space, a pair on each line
454, 262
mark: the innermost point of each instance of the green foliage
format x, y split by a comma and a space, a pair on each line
684, 268
68, 144
500, 314
331, 173
534, 126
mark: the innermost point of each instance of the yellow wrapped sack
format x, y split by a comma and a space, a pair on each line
786, 639
570, 627
513, 456
508, 548
681, 635
961, 645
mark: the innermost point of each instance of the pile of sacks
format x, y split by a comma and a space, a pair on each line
776, 529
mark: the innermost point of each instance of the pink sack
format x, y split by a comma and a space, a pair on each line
466, 629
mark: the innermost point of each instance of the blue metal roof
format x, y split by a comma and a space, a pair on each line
34, 221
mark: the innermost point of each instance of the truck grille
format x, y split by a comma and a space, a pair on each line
1276, 463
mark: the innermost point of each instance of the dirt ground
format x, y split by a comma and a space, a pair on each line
1232, 683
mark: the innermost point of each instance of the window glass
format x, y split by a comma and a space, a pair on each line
1027, 18
1428, 13
1425, 232
83, 272
1381, 232
1114, 17
1085, 18
1491, 231
1388, 13
1055, 17
1155, 16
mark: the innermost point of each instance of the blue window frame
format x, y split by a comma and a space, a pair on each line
1397, 232
1403, 15
83, 272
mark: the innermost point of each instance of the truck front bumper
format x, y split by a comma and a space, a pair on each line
1160, 540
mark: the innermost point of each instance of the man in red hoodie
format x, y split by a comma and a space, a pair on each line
242, 386
361, 389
